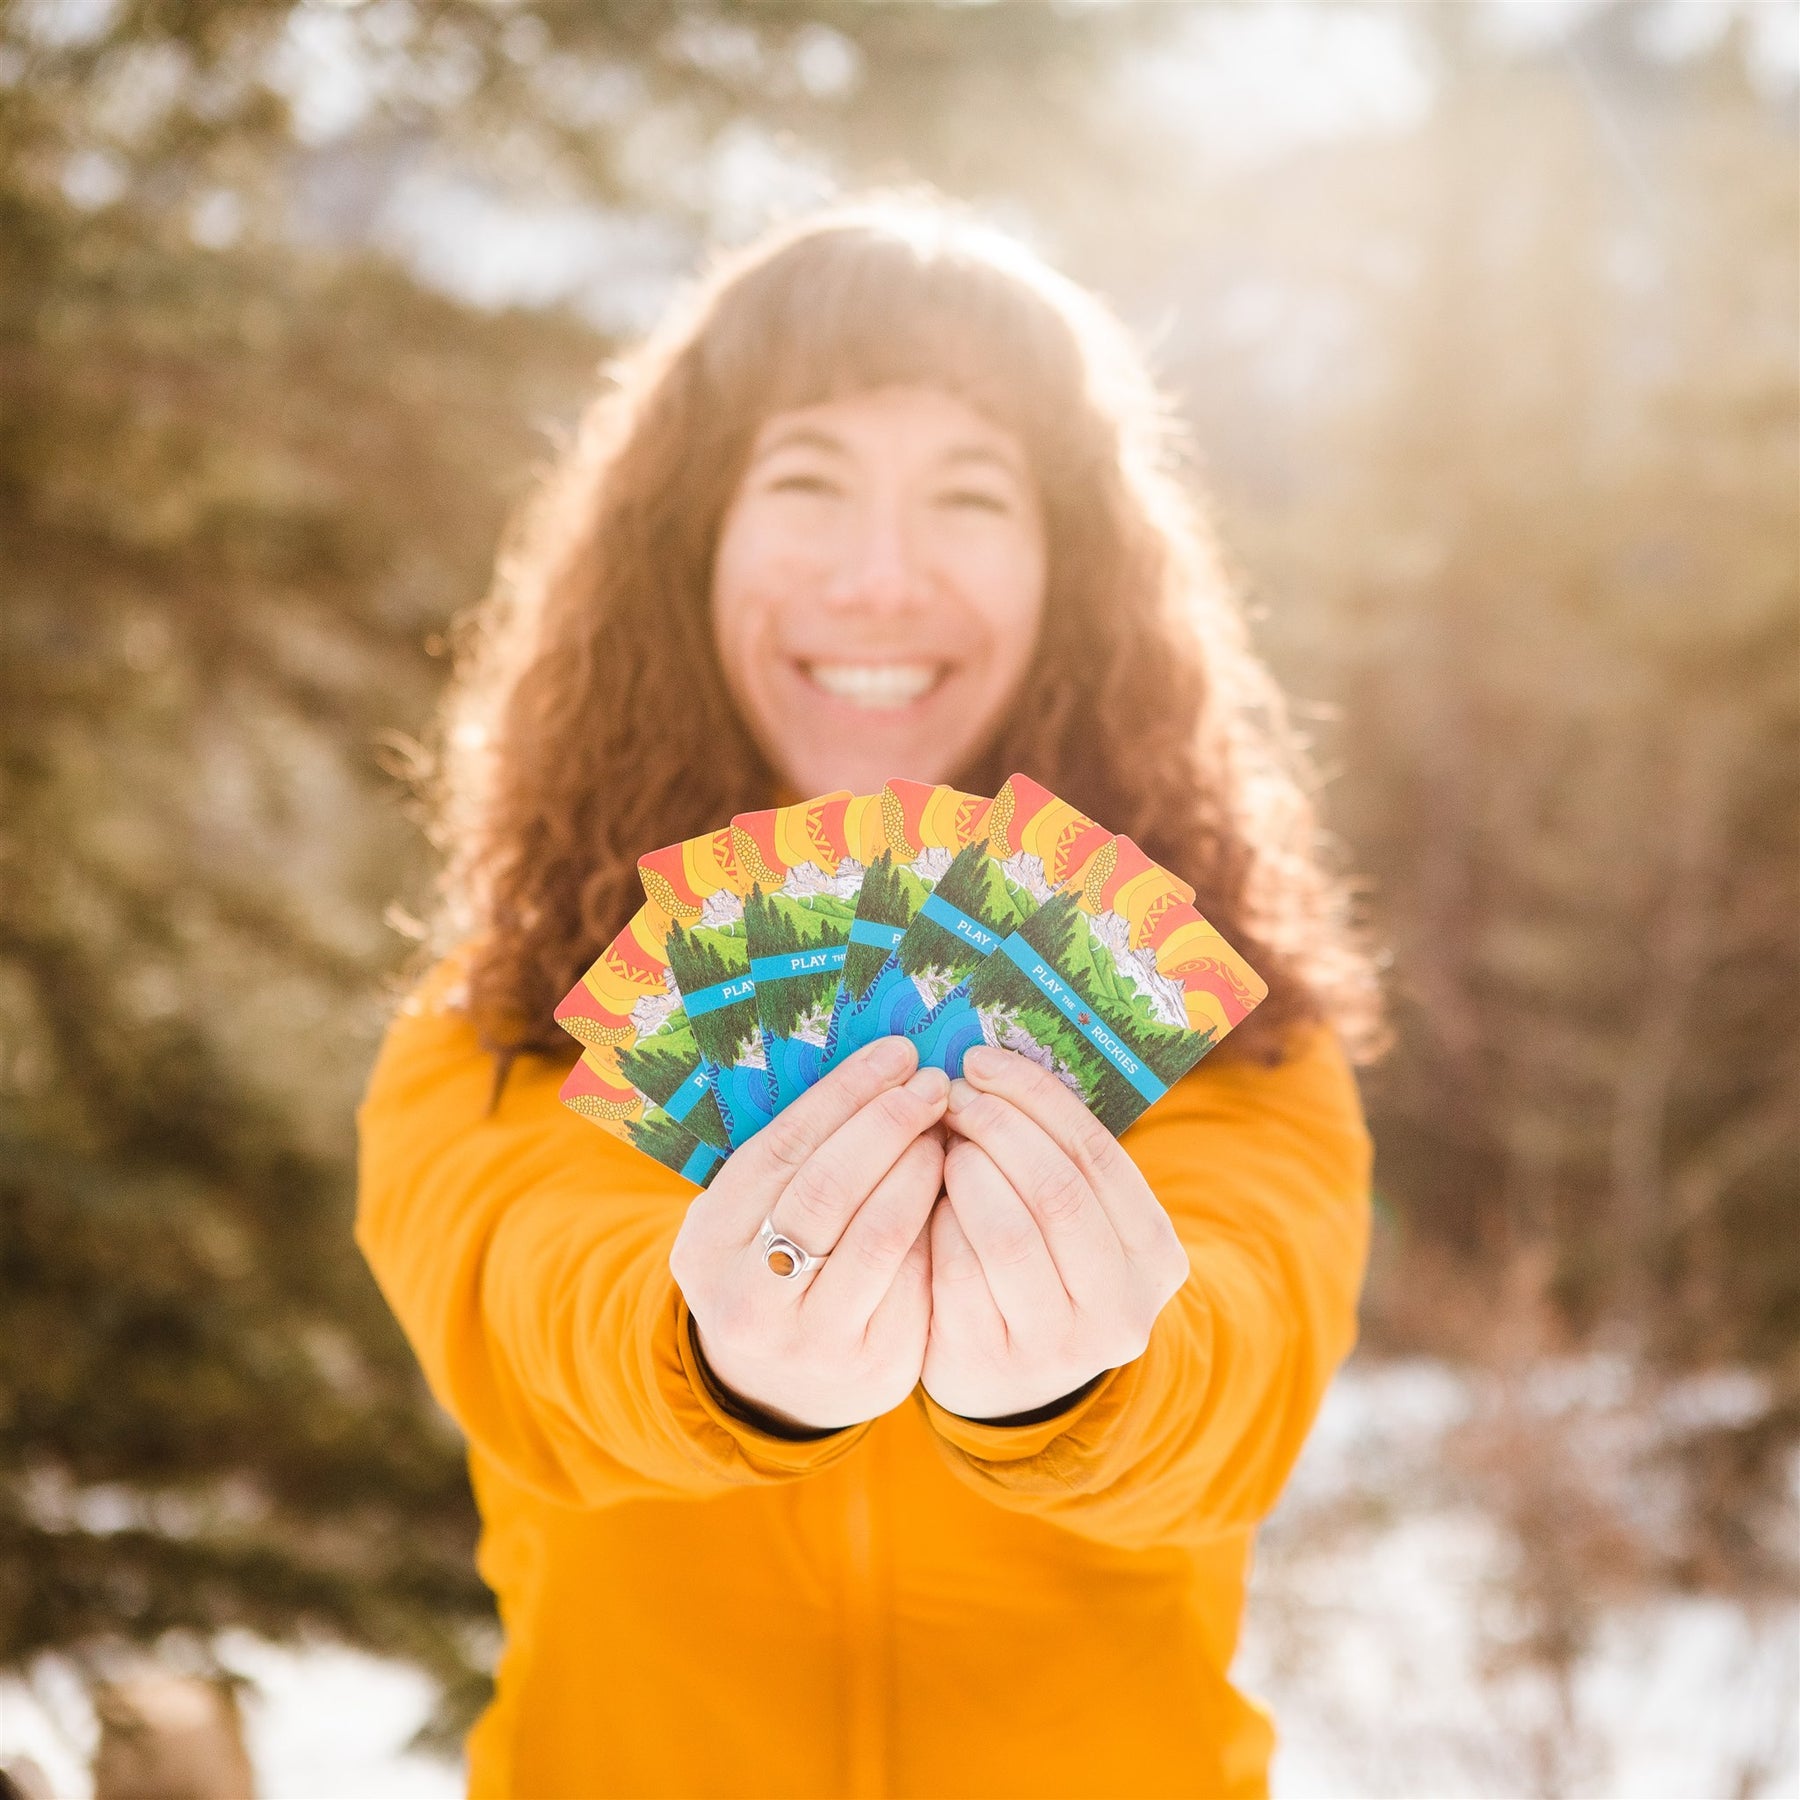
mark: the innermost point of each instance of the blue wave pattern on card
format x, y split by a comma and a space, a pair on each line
960, 923
746, 1099
894, 1006
948, 1032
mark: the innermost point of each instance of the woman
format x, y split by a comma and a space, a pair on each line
967, 1508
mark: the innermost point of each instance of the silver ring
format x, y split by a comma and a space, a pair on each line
778, 1250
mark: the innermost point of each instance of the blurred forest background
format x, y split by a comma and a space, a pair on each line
1487, 317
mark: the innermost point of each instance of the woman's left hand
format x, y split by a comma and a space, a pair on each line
1050, 1256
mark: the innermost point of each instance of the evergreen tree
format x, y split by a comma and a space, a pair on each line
699, 959
780, 925
658, 1136
658, 1068
882, 901
974, 885
1051, 930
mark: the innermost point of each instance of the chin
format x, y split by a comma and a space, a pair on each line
861, 767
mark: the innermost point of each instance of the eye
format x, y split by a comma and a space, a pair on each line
801, 483
980, 499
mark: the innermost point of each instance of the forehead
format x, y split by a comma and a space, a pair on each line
922, 419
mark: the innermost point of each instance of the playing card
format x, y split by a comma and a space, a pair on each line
699, 885
598, 1092
1115, 984
630, 1003
1032, 844
922, 829
803, 867
637, 1076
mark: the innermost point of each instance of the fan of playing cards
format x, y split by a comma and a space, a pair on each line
771, 949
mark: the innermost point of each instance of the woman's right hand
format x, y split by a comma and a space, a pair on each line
851, 1169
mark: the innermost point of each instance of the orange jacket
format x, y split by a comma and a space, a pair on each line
913, 1606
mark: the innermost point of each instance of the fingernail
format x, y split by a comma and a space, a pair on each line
929, 1084
892, 1054
960, 1095
983, 1060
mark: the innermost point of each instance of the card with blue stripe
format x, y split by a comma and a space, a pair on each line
803, 868
1116, 984
923, 827
641, 1074
1031, 844
722, 1094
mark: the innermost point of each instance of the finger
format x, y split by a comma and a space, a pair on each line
752, 1180
1136, 1213
905, 1309
877, 1240
1021, 1275
830, 1187
962, 1304
1080, 1236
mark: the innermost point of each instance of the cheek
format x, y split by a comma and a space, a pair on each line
1005, 585
762, 565
742, 590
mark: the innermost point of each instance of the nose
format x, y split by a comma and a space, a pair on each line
879, 569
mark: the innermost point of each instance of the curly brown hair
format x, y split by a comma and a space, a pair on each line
589, 719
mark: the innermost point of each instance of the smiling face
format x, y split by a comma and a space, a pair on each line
878, 586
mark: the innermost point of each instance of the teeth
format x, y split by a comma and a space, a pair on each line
876, 685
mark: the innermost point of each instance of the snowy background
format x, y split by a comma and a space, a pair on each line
1395, 1623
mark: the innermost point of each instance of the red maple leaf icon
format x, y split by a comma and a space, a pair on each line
1085, 1019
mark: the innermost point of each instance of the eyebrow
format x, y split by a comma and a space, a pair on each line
813, 437
801, 436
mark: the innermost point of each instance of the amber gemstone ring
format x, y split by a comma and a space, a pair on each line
782, 1255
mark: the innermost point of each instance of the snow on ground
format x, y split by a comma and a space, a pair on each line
321, 1723
1391, 1625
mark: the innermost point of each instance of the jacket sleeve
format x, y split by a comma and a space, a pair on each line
526, 1255
1266, 1175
